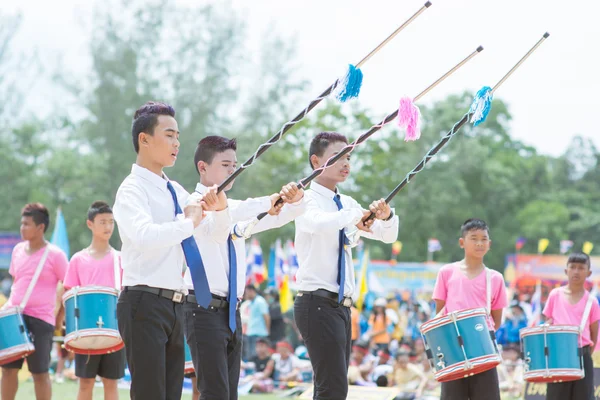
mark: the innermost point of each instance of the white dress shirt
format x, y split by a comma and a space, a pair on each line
215, 253
317, 239
151, 233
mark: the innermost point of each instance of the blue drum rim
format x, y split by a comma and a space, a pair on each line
477, 362
549, 329
20, 348
84, 290
446, 319
93, 332
10, 311
558, 372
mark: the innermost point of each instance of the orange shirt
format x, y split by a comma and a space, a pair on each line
379, 324
354, 319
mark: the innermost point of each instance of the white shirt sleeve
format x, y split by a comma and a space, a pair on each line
316, 221
216, 224
243, 210
134, 217
385, 231
289, 212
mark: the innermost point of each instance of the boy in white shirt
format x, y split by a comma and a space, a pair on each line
214, 333
326, 274
157, 237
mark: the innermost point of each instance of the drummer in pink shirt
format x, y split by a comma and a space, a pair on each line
38, 314
94, 266
462, 285
566, 306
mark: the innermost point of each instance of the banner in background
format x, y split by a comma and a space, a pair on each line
545, 267
386, 277
8, 240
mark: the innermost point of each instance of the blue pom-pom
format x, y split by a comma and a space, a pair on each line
349, 86
481, 106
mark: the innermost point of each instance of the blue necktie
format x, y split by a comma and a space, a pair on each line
194, 261
232, 298
341, 278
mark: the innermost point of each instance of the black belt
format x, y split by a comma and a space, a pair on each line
215, 302
346, 301
173, 295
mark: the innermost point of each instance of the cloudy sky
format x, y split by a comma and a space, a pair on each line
552, 97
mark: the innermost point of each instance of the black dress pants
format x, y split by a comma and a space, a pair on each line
483, 386
326, 329
216, 351
151, 327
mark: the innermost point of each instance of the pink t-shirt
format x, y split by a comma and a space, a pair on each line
22, 267
563, 313
461, 293
85, 270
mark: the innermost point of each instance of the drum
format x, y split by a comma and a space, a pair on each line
552, 353
189, 365
460, 344
91, 320
14, 340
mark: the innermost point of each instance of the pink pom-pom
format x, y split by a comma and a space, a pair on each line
409, 118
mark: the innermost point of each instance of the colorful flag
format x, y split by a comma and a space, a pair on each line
565, 246
520, 243
536, 305
59, 236
292, 260
363, 286
285, 295
433, 245
543, 245
587, 247
281, 263
271, 282
256, 269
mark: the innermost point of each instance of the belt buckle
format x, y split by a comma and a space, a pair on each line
177, 297
347, 302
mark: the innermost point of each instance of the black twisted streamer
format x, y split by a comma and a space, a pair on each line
430, 154
277, 137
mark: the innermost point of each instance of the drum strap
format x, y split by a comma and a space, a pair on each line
488, 290
35, 278
586, 313
117, 269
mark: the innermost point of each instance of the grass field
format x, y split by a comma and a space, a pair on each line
68, 391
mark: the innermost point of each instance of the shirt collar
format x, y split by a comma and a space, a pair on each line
323, 191
200, 188
160, 182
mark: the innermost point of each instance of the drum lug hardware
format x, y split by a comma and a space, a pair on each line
440, 357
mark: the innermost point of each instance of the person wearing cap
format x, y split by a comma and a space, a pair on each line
361, 364
287, 365
408, 378
383, 365
510, 372
515, 321
380, 325
264, 367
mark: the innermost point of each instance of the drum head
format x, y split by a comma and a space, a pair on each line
93, 342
